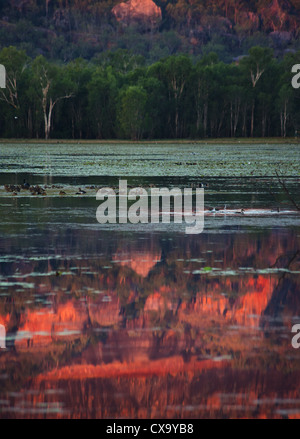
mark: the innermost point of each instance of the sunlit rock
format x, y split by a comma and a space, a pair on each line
140, 262
144, 12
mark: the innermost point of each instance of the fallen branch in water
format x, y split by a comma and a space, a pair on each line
283, 185
287, 192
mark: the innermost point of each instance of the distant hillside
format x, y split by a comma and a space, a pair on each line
65, 29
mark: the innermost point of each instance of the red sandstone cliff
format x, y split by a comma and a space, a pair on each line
143, 11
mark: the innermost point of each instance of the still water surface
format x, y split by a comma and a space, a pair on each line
144, 321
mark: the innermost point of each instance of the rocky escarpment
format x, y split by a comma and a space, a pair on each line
144, 12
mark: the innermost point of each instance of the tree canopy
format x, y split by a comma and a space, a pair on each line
122, 98
65, 30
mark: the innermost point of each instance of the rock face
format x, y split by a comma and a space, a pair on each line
141, 262
144, 12
276, 16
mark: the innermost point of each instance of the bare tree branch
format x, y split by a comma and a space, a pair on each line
283, 185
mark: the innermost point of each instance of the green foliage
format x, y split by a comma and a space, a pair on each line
118, 96
102, 92
131, 112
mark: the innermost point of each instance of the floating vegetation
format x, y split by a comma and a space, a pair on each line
209, 160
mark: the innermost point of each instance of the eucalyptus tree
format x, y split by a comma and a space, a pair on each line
79, 74
131, 111
156, 107
102, 96
51, 86
174, 72
254, 67
16, 64
288, 102
202, 85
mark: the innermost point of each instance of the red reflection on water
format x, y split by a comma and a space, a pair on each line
163, 340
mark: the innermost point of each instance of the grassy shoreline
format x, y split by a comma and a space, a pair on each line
219, 141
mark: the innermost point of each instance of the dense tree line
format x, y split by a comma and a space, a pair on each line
118, 96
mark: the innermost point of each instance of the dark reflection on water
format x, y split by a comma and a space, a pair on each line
116, 324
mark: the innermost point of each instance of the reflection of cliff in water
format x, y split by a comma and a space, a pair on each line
217, 392
285, 301
178, 335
